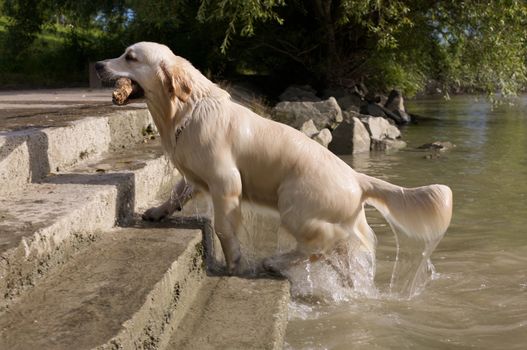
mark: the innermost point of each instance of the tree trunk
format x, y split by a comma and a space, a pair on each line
323, 11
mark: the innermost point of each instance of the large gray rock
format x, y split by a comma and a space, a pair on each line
380, 129
384, 136
351, 102
325, 114
395, 104
298, 93
350, 136
372, 109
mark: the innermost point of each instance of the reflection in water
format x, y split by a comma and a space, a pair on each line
477, 296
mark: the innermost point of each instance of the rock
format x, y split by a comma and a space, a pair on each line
387, 145
395, 101
351, 102
350, 136
347, 100
396, 117
376, 108
372, 109
309, 128
325, 114
299, 93
438, 146
324, 137
395, 104
380, 129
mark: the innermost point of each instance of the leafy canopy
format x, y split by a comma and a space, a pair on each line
469, 45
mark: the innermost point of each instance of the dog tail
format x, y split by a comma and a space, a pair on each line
421, 213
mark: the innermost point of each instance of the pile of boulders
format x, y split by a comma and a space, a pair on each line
346, 121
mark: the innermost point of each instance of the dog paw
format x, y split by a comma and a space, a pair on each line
234, 268
154, 214
269, 267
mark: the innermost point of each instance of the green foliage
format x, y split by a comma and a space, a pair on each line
469, 45
485, 44
239, 15
383, 19
25, 21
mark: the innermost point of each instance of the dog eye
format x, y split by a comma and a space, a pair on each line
130, 57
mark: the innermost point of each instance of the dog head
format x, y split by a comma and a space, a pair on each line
148, 65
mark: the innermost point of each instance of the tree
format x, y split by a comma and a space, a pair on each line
25, 22
469, 45
464, 45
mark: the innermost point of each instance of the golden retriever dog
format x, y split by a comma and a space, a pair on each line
233, 154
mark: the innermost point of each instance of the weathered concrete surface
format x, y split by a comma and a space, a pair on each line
144, 164
48, 131
68, 280
120, 293
50, 102
29, 154
44, 224
235, 313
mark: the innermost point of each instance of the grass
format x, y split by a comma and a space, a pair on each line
52, 60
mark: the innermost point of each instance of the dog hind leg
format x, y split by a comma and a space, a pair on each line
227, 219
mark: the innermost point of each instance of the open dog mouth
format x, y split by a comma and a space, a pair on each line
125, 91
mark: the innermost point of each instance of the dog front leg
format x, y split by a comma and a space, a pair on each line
180, 195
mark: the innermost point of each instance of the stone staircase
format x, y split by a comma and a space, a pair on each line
80, 270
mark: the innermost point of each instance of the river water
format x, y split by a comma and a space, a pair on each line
477, 296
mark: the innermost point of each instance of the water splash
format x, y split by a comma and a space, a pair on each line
412, 268
346, 274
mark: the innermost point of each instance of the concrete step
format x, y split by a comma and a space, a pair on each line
235, 313
70, 280
42, 226
36, 143
122, 292
141, 171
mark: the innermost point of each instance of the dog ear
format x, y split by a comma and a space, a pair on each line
176, 81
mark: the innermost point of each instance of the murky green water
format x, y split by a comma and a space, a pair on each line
478, 296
